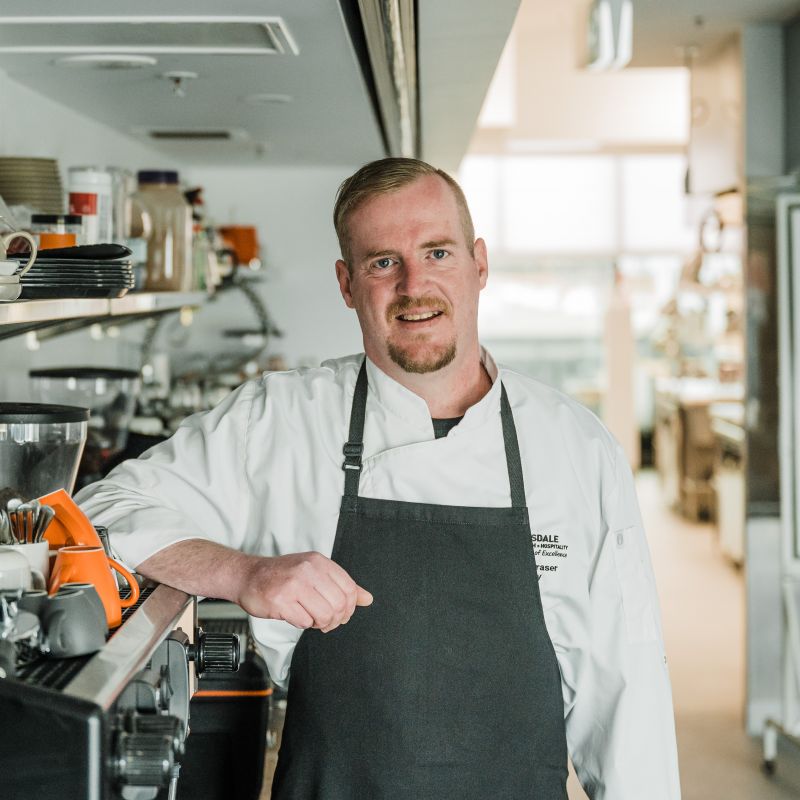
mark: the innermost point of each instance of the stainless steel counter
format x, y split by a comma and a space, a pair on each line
127, 652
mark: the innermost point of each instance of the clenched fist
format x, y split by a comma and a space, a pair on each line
307, 590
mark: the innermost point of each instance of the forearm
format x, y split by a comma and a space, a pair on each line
201, 567
304, 589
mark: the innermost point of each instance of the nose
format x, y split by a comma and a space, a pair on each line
411, 278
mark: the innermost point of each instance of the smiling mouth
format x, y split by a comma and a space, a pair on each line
419, 317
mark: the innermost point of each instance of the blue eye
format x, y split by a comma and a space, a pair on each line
439, 254
383, 263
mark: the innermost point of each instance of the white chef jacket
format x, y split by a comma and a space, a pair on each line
262, 472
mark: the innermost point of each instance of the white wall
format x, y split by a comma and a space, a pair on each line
292, 209
715, 146
558, 101
33, 125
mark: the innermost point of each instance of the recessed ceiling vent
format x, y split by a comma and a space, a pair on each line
213, 35
192, 136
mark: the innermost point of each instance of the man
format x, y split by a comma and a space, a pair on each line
414, 494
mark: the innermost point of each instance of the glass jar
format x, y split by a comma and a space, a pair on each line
169, 244
56, 230
90, 197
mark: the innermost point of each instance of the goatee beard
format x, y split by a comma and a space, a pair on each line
420, 366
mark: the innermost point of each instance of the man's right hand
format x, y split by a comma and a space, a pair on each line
307, 590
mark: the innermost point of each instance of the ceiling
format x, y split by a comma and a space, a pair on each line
328, 118
323, 112
661, 30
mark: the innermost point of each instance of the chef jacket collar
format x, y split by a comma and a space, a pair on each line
412, 409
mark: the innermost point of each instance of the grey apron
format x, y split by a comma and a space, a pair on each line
447, 687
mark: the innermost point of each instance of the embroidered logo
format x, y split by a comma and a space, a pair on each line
548, 548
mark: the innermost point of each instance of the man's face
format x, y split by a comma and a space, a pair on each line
413, 281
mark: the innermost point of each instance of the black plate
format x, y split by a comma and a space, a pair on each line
78, 278
42, 282
82, 264
57, 271
56, 292
87, 264
102, 252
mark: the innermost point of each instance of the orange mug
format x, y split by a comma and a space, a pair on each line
87, 564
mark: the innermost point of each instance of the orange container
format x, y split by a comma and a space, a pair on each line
84, 564
48, 240
243, 239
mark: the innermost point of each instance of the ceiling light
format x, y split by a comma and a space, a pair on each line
179, 75
179, 78
107, 61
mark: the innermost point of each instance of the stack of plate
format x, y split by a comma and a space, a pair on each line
32, 182
50, 278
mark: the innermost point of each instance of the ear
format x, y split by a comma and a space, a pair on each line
343, 276
481, 261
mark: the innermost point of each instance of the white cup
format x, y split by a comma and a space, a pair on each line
16, 572
37, 555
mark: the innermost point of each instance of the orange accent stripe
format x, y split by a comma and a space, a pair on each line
232, 693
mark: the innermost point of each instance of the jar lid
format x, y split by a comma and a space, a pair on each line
157, 176
84, 372
41, 413
56, 219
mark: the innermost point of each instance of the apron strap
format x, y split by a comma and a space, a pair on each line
354, 448
513, 459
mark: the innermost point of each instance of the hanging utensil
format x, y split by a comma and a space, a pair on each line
5, 528
20, 521
36, 510
46, 516
12, 518
15, 521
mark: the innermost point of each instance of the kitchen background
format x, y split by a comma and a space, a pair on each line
630, 216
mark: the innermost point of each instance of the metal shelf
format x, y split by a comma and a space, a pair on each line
22, 312
67, 314
154, 302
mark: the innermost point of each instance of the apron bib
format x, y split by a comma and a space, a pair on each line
447, 687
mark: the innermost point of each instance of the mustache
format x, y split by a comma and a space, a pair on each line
407, 304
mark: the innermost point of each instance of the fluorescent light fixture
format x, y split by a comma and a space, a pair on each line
610, 35
624, 51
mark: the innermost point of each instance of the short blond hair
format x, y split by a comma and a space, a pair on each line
383, 177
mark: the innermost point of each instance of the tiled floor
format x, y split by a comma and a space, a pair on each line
702, 599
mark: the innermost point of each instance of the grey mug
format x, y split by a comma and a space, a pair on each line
74, 623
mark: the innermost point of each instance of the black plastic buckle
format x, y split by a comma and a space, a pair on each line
352, 455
